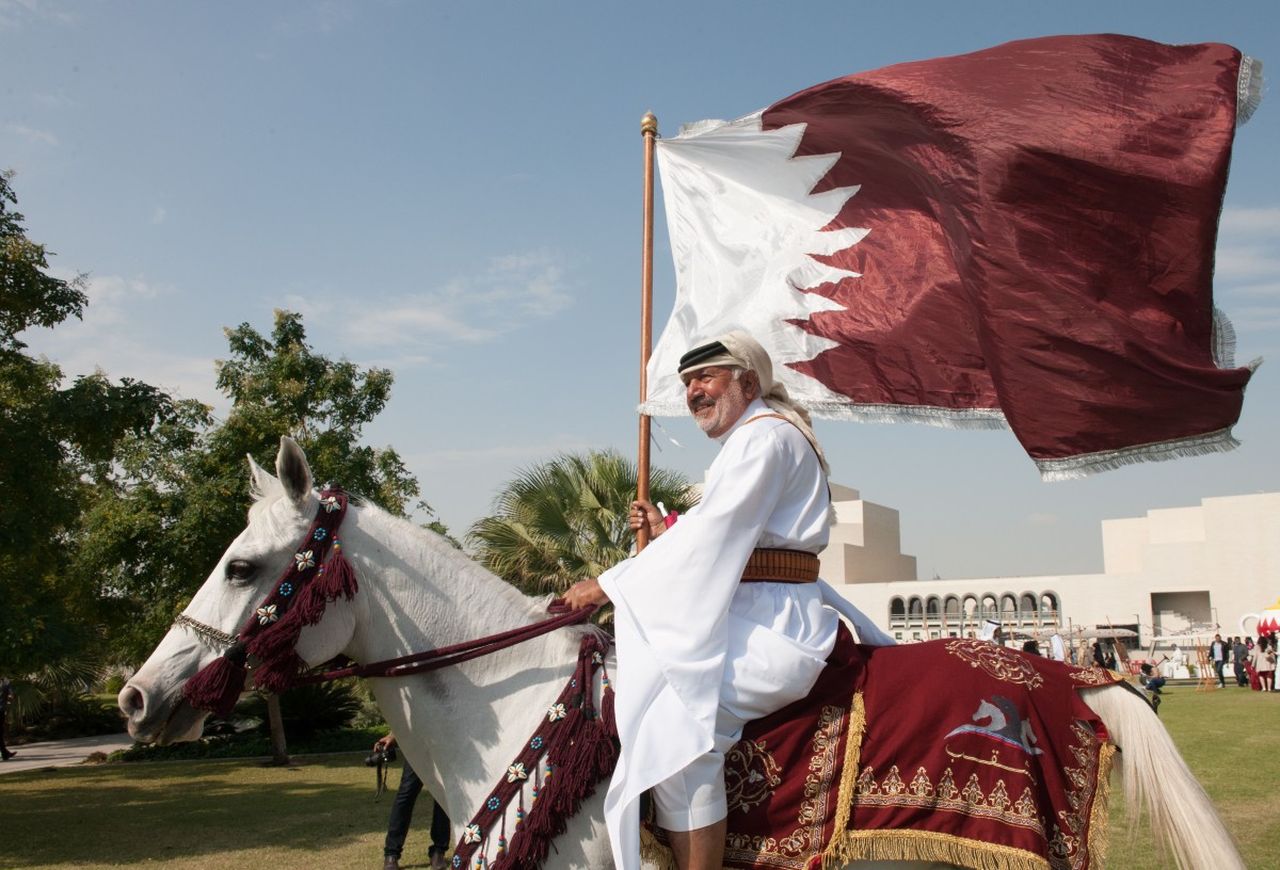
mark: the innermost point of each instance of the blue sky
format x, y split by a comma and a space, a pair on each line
453, 191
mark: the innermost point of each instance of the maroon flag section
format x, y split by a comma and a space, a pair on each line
1035, 233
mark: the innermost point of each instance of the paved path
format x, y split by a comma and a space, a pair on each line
62, 753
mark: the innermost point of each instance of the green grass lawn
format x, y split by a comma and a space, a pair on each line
321, 814
202, 814
1231, 740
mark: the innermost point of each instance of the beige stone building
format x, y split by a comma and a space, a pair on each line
1171, 572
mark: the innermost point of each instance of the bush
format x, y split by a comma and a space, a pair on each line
307, 710
355, 740
369, 715
80, 716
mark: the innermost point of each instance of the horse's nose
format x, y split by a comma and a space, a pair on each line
132, 702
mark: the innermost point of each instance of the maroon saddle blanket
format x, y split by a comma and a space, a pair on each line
956, 750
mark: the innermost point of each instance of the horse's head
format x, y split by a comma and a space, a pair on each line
244, 577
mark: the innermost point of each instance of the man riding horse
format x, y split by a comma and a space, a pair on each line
721, 620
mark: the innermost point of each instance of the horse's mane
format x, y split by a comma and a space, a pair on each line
475, 587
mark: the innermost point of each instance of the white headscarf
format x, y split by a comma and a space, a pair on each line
745, 352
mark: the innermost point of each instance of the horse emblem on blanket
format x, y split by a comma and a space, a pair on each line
854, 772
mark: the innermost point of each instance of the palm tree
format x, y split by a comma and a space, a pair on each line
566, 519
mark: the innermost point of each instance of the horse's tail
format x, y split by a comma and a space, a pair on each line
1157, 781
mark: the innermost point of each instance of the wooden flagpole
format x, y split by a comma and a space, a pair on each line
649, 130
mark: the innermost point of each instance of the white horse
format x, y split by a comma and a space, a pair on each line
460, 726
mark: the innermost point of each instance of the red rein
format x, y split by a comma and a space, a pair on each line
433, 660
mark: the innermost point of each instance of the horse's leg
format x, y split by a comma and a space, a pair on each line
1157, 780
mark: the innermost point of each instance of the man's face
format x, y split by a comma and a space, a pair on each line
716, 399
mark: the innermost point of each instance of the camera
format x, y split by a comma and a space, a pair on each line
379, 757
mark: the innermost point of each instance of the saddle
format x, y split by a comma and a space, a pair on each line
957, 751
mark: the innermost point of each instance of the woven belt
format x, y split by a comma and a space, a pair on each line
780, 566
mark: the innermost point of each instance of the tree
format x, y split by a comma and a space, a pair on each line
566, 519
154, 542
57, 445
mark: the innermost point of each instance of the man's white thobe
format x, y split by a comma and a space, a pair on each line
692, 637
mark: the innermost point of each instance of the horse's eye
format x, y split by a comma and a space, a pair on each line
240, 571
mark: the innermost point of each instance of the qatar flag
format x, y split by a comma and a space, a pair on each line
1021, 236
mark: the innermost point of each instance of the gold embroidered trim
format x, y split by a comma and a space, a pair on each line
1000, 662
971, 800
929, 846
751, 775
795, 850
1094, 676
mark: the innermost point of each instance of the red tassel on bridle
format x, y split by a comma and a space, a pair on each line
218, 685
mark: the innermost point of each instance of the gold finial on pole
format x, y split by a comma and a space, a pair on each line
649, 130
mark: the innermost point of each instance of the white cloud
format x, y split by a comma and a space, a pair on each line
503, 455
15, 13
109, 295
1264, 290
1041, 519
1247, 246
159, 214
325, 17
1250, 221
108, 339
504, 296
34, 135
53, 100
1236, 262
1256, 318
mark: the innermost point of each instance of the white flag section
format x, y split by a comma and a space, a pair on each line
743, 226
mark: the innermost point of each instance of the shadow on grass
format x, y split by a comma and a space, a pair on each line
156, 812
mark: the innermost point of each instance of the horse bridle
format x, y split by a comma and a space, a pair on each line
208, 632
414, 663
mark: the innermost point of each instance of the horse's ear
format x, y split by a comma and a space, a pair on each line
260, 480
293, 471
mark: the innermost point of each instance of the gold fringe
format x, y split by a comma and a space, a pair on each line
1100, 815
848, 779
653, 851
930, 846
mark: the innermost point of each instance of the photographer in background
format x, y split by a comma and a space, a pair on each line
402, 815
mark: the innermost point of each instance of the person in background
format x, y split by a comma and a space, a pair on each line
6, 695
1149, 680
1032, 647
1264, 662
402, 815
1218, 652
1239, 655
1098, 659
